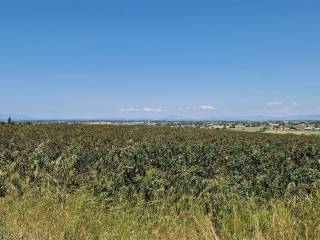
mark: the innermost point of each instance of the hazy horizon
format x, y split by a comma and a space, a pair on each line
315, 117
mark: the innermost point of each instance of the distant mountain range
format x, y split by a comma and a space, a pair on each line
315, 117
305, 117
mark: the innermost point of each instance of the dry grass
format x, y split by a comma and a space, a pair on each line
80, 216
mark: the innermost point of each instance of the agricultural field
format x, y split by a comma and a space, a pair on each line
298, 132
265, 127
140, 182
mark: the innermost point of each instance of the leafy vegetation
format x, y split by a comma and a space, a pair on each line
138, 182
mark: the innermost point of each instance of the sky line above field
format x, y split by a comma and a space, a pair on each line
158, 59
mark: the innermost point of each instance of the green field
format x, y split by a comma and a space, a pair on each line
138, 182
246, 129
299, 132
270, 130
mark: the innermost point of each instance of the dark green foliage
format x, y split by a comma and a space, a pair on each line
128, 162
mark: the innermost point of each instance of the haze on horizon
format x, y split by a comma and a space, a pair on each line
154, 59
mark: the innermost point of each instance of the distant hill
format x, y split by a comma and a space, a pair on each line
314, 117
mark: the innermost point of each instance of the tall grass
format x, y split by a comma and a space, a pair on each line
82, 216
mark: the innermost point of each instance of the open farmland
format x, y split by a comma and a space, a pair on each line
139, 182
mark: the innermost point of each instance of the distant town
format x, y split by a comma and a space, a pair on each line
307, 127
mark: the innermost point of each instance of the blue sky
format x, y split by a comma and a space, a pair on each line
123, 59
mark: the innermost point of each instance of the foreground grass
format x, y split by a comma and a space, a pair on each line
81, 216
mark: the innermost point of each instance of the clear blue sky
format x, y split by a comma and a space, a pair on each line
151, 58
